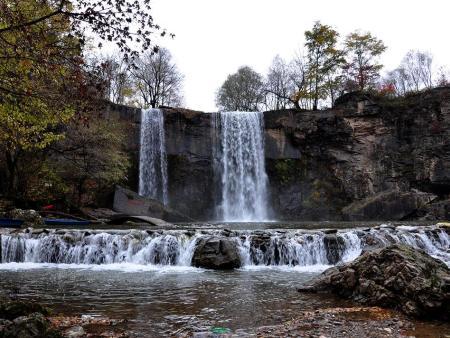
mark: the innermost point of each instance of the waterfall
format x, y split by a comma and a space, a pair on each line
176, 247
239, 164
76, 247
152, 159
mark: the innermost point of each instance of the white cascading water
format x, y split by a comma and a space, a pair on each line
152, 159
176, 247
239, 157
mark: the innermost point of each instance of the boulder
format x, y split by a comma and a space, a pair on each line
216, 253
30, 217
397, 276
12, 309
130, 203
23, 319
335, 247
438, 210
34, 325
387, 205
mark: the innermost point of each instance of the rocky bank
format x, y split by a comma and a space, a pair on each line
397, 276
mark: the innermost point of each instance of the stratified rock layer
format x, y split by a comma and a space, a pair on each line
397, 277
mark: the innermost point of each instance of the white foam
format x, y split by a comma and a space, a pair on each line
316, 268
120, 267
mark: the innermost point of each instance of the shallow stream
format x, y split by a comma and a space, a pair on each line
146, 279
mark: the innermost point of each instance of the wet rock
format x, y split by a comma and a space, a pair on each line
75, 332
334, 246
439, 210
33, 325
130, 203
216, 253
387, 205
30, 217
329, 231
398, 277
370, 242
12, 309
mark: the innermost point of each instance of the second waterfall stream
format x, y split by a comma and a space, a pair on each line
240, 167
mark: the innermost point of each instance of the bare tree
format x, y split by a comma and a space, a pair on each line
443, 77
399, 78
414, 73
157, 79
279, 86
114, 75
301, 81
243, 90
418, 65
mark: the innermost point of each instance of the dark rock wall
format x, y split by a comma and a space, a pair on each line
321, 163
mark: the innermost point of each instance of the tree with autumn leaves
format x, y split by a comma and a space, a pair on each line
362, 67
332, 70
326, 71
46, 86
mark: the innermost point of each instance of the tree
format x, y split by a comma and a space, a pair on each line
115, 76
279, 87
157, 79
362, 66
443, 77
324, 59
413, 74
399, 79
418, 65
91, 157
243, 90
109, 20
39, 65
301, 81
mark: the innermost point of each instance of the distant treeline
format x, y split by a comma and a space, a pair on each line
326, 69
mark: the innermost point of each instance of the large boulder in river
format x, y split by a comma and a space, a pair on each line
387, 205
130, 203
397, 276
216, 253
335, 247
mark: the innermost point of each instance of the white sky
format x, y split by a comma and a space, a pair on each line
215, 37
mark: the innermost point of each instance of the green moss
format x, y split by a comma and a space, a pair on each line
323, 191
290, 170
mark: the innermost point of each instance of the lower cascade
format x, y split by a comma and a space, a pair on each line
152, 157
177, 247
240, 166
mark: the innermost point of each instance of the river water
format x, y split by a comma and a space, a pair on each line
145, 276
161, 301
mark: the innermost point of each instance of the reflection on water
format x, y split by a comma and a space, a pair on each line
163, 301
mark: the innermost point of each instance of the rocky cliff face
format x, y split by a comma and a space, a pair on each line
368, 158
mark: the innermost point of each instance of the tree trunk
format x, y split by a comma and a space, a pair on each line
11, 164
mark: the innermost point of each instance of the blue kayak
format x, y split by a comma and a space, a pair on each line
10, 223
64, 221
17, 223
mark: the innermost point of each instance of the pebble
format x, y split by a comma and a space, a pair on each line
75, 332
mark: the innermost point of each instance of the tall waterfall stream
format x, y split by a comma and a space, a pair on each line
152, 159
240, 165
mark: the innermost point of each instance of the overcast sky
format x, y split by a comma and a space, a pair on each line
215, 37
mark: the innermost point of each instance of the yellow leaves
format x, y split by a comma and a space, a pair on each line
31, 125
